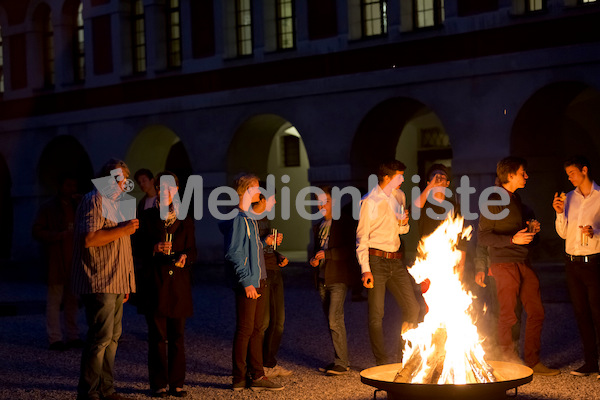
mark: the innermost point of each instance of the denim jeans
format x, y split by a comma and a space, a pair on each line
274, 317
103, 312
333, 297
248, 337
57, 295
392, 275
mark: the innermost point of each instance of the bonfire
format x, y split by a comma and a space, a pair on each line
445, 348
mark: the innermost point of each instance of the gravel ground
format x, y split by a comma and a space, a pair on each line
29, 371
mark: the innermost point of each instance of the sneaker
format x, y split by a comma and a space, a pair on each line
281, 371
541, 369
263, 383
270, 373
337, 370
238, 386
329, 366
585, 370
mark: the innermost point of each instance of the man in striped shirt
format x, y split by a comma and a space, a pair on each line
103, 277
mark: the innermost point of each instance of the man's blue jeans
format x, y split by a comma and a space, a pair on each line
103, 312
390, 274
333, 297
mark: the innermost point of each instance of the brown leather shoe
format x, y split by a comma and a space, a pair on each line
541, 369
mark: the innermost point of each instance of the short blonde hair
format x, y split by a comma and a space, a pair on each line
243, 182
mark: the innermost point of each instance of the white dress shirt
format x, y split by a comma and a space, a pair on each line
580, 211
378, 225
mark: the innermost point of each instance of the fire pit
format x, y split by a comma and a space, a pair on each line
443, 356
382, 377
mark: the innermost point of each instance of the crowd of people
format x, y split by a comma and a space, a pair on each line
101, 260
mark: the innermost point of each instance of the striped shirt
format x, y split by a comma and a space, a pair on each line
102, 269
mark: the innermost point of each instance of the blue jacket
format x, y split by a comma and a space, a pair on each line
243, 250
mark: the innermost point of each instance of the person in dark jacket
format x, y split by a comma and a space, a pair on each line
336, 270
508, 239
54, 229
165, 295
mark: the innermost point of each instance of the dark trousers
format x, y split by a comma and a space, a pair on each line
166, 352
333, 297
103, 312
583, 281
518, 280
274, 317
248, 337
392, 275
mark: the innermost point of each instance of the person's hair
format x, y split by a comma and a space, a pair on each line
578, 162
389, 169
436, 169
509, 165
143, 171
161, 174
326, 189
242, 183
114, 163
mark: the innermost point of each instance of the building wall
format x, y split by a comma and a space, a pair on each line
476, 98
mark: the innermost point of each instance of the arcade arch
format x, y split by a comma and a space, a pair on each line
409, 131
158, 148
64, 155
557, 121
269, 144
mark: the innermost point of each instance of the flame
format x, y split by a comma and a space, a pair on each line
445, 347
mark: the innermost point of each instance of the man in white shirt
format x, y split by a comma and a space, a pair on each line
382, 220
578, 221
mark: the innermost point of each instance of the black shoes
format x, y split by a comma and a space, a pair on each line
333, 369
57, 346
160, 393
178, 392
75, 344
329, 366
585, 370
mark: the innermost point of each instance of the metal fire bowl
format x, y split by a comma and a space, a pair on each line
382, 377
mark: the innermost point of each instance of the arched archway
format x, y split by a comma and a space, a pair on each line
6, 216
409, 131
557, 121
64, 155
158, 148
269, 144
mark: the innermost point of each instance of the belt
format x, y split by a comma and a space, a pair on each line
584, 259
385, 254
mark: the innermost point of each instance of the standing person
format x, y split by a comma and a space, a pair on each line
377, 249
145, 179
337, 270
508, 242
53, 227
578, 221
103, 276
274, 317
435, 209
165, 292
245, 263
